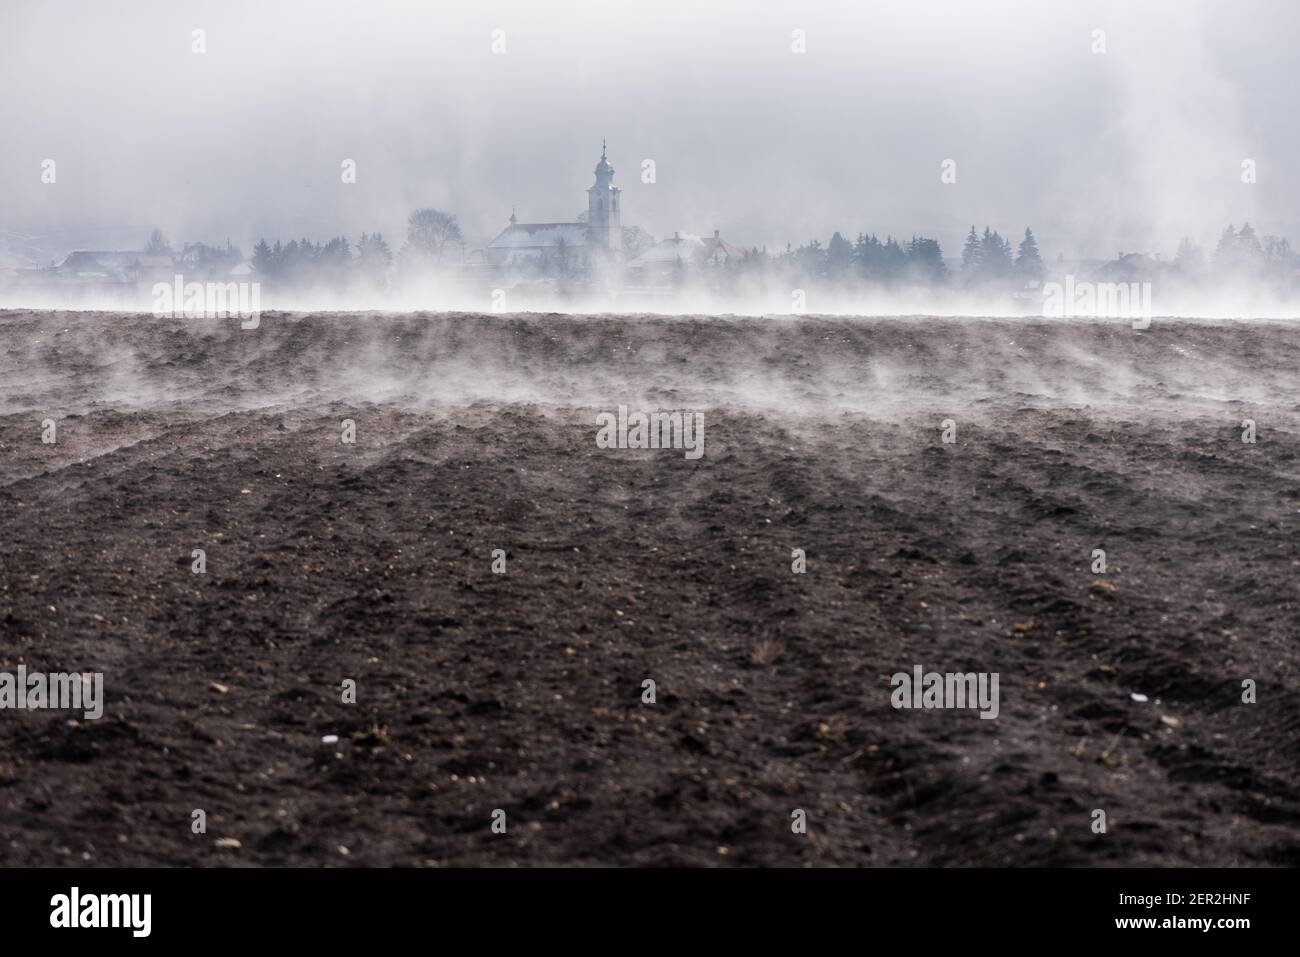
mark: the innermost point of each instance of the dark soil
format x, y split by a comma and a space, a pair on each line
523, 691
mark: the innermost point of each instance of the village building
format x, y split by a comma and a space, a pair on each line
684, 251
719, 252
668, 255
113, 266
598, 234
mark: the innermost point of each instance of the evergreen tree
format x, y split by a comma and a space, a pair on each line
925, 261
1029, 265
263, 261
1225, 254
290, 260
867, 252
995, 255
1249, 250
839, 256
1277, 252
893, 261
335, 254
373, 259
972, 257
373, 253
755, 262
810, 260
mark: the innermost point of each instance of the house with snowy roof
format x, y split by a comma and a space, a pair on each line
112, 266
686, 250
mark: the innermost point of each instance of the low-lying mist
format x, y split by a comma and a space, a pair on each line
1065, 296
800, 367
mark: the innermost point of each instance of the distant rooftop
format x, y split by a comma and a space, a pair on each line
525, 235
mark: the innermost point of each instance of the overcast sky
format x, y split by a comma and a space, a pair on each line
1123, 150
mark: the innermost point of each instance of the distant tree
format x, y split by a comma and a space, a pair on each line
373, 259
994, 255
430, 230
1029, 264
869, 256
379, 247
263, 259
334, 265
158, 244
755, 262
1240, 251
291, 261
1278, 252
893, 261
336, 253
839, 256
972, 257
925, 261
1249, 249
1226, 252
810, 260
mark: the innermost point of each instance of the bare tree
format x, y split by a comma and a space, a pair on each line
158, 244
430, 230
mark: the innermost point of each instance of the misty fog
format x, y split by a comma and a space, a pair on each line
1099, 153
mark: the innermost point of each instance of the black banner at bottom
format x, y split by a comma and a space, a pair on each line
138, 907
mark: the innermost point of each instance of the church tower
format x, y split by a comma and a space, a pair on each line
604, 218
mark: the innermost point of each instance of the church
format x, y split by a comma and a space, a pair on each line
573, 245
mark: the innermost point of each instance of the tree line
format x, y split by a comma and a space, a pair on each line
1239, 251
336, 262
918, 260
434, 239
431, 235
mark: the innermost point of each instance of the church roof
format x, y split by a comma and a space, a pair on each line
526, 235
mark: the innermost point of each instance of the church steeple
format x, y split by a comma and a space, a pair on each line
604, 171
604, 219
